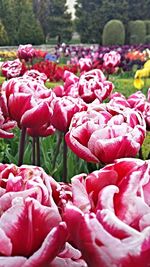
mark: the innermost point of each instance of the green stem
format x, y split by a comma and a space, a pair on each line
140, 153
64, 179
22, 146
33, 151
38, 162
59, 140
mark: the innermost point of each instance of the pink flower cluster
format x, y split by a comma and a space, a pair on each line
104, 133
12, 69
32, 232
93, 130
28, 99
137, 101
89, 86
100, 219
26, 52
111, 61
108, 62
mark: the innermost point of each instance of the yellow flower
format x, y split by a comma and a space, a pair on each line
147, 64
138, 83
143, 73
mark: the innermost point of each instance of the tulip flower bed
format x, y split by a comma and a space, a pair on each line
74, 178
132, 56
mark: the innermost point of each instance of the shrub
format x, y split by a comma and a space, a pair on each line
3, 35
137, 32
147, 39
147, 24
113, 33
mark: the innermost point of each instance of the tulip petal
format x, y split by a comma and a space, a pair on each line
36, 116
23, 224
85, 237
12, 261
114, 226
50, 248
111, 141
60, 262
80, 196
18, 104
5, 244
79, 149
4, 134
7, 198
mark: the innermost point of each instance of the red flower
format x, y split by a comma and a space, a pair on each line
5, 126
35, 75
29, 99
111, 61
27, 204
63, 111
5, 123
26, 52
109, 220
92, 85
85, 64
107, 136
11, 69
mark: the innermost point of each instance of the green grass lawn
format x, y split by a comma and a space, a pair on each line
2, 79
126, 87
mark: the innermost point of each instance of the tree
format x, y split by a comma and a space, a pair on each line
3, 35
12, 13
145, 10
7, 16
87, 20
138, 10
54, 18
42, 11
114, 9
92, 17
30, 30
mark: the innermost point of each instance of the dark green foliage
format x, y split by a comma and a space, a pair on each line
147, 39
92, 17
147, 24
21, 20
137, 32
138, 10
30, 30
7, 16
60, 21
88, 20
42, 11
135, 10
12, 14
3, 35
54, 18
113, 33
114, 9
